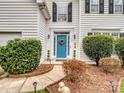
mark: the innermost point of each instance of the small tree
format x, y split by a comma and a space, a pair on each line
98, 46
119, 47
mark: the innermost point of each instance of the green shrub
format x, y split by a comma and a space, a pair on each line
20, 56
98, 46
109, 65
119, 47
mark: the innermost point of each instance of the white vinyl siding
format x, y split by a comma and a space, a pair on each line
23, 16
19, 16
42, 33
5, 36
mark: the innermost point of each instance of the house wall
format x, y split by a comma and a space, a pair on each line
23, 16
42, 33
98, 21
73, 26
19, 16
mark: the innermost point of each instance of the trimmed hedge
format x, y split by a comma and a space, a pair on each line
98, 46
119, 47
109, 65
20, 56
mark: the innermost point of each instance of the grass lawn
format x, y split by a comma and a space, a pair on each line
38, 91
122, 87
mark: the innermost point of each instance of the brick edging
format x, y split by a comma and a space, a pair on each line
47, 87
29, 74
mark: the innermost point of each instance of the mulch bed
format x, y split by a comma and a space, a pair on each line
96, 81
43, 68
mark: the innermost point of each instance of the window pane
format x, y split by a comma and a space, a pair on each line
106, 33
115, 35
62, 11
118, 8
94, 8
96, 33
118, 5
94, 2
118, 2
121, 34
62, 17
90, 33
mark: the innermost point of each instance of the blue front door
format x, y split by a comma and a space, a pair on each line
61, 46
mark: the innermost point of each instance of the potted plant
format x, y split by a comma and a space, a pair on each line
74, 54
48, 55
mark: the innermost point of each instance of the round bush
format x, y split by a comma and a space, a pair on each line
119, 47
109, 65
98, 46
20, 56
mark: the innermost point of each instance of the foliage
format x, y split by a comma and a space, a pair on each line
98, 46
38, 91
122, 87
74, 54
119, 47
20, 56
48, 53
109, 65
1, 71
74, 69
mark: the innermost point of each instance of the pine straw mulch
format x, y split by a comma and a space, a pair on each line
42, 69
95, 81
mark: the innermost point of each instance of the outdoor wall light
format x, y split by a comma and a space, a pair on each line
48, 36
35, 86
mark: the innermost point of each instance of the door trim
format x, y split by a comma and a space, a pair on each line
52, 32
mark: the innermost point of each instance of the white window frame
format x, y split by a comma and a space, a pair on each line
107, 33
91, 7
66, 13
118, 11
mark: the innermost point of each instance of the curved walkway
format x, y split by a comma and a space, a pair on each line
17, 85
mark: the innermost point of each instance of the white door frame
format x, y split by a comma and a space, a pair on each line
71, 45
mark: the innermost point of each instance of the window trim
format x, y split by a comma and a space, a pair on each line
114, 8
91, 8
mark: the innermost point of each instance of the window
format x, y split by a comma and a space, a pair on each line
118, 6
121, 34
62, 10
90, 33
94, 6
114, 34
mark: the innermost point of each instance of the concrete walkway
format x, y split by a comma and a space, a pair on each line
17, 85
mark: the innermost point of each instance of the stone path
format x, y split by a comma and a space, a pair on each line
10, 85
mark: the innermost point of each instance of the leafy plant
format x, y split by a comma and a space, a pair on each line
20, 56
74, 54
74, 69
109, 65
98, 46
119, 47
48, 54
